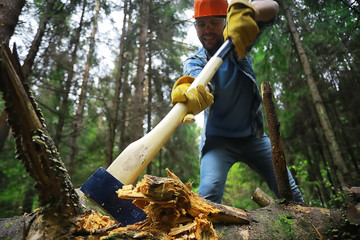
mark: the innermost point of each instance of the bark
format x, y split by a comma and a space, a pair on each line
149, 102
82, 98
4, 129
113, 116
278, 156
30, 57
123, 125
9, 16
343, 173
124, 119
138, 109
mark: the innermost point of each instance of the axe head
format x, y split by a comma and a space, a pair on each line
101, 188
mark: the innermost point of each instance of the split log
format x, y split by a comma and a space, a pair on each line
175, 210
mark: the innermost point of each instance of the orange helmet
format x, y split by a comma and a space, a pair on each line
204, 8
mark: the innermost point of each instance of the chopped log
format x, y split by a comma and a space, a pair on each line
175, 210
166, 192
278, 156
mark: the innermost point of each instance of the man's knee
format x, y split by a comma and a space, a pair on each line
211, 191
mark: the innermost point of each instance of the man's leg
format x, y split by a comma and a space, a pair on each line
215, 165
260, 159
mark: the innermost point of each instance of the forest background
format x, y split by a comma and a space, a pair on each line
102, 73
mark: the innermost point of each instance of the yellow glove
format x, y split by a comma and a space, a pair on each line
196, 99
240, 25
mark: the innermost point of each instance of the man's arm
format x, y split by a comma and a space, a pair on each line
268, 9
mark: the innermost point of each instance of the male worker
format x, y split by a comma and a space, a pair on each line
233, 128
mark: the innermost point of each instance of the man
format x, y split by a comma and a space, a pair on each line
233, 128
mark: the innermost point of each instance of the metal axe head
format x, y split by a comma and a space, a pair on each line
101, 188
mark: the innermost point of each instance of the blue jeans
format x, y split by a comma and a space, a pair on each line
219, 154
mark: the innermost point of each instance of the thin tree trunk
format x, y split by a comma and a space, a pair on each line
69, 81
343, 172
149, 103
278, 156
29, 60
124, 120
113, 116
123, 125
80, 108
138, 109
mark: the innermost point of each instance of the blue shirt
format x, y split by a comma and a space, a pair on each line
236, 111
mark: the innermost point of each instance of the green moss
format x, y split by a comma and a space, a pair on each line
286, 222
9, 224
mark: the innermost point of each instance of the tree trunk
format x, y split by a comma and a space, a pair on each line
113, 115
9, 16
138, 102
30, 57
124, 120
4, 129
80, 108
69, 81
123, 125
149, 102
278, 156
332, 144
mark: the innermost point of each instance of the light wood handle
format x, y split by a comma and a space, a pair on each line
134, 159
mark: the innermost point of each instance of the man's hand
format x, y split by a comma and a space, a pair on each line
196, 99
240, 25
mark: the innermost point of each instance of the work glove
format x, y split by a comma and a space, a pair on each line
196, 99
240, 25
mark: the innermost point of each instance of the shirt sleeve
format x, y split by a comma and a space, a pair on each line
193, 67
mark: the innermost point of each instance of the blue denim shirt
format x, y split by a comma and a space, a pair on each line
237, 110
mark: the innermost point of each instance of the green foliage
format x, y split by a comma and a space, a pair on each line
14, 182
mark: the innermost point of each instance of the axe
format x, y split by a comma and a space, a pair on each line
102, 185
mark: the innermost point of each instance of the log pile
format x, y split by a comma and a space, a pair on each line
174, 212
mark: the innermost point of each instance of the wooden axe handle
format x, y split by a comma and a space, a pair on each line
134, 159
